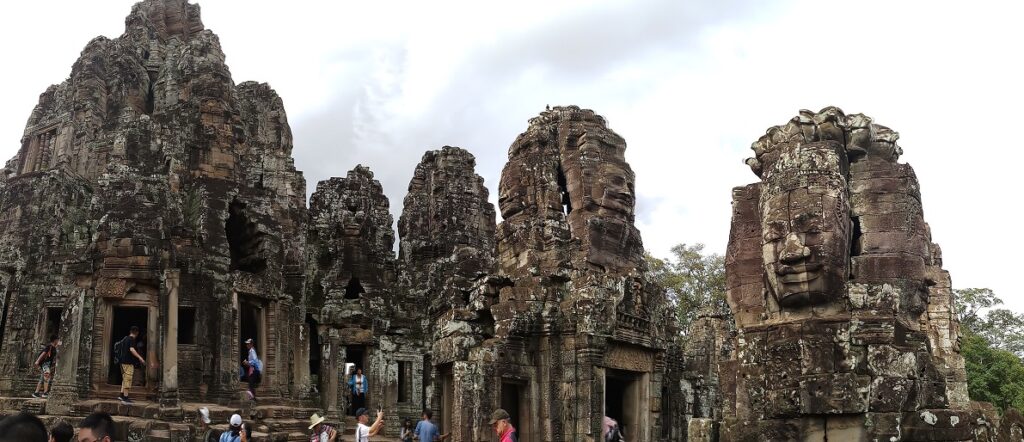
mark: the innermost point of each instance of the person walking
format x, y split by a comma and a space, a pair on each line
126, 355
358, 384
254, 369
502, 424
321, 431
47, 364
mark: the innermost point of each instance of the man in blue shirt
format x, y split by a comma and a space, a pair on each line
426, 431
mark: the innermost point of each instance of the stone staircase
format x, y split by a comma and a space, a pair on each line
270, 420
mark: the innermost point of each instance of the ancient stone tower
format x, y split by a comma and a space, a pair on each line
152, 191
845, 330
579, 331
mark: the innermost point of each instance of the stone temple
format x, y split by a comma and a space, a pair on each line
151, 190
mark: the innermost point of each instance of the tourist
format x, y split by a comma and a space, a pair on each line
204, 425
22, 427
47, 363
126, 356
363, 432
357, 383
254, 369
502, 424
62, 432
407, 431
426, 431
321, 431
96, 427
610, 431
236, 432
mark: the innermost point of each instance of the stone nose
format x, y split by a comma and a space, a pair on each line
793, 249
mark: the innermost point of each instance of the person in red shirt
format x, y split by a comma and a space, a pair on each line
502, 424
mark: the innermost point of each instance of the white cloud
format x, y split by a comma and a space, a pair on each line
688, 84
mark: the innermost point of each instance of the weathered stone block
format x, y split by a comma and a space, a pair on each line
838, 393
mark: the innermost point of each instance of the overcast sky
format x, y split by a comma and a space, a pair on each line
688, 84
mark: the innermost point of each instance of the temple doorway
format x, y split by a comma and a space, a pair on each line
123, 320
624, 395
52, 327
447, 422
515, 399
250, 326
356, 355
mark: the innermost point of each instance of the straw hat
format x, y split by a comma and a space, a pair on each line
315, 419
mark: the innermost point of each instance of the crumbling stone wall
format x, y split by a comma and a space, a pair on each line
830, 268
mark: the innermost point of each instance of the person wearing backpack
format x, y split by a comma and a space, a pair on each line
47, 363
253, 369
610, 431
126, 355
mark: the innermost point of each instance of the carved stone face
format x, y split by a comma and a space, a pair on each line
805, 225
613, 190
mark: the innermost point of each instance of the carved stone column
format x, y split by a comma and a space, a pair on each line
169, 357
71, 379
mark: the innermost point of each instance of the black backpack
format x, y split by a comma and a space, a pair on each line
614, 435
121, 350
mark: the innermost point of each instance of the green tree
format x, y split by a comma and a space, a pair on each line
1002, 328
969, 303
992, 346
692, 278
993, 375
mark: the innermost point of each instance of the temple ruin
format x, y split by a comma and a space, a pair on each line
845, 328
150, 190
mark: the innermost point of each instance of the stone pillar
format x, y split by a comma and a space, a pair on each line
169, 358
227, 361
470, 411
331, 372
71, 379
300, 356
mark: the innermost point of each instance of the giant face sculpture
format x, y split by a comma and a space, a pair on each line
805, 223
613, 190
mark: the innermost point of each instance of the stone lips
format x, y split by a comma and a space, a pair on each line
878, 351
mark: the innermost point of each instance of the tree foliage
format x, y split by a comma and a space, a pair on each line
993, 375
1002, 328
992, 346
692, 278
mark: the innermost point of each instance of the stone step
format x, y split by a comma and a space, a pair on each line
19, 404
286, 425
283, 411
141, 409
159, 435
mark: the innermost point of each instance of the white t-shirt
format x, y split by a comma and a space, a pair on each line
362, 433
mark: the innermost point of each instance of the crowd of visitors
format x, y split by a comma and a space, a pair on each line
99, 427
